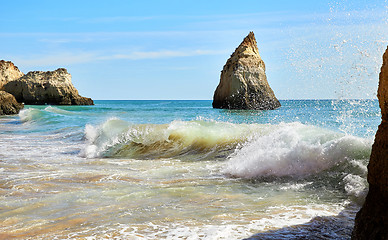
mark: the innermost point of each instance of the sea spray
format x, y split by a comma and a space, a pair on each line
100, 138
353, 115
340, 56
295, 150
249, 150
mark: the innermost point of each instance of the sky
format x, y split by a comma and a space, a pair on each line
176, 49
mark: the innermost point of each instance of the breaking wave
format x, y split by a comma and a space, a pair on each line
31, 115
207, 139
42, 115
251, 150
295, 149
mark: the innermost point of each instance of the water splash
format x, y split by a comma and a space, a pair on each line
295, 150
339, 56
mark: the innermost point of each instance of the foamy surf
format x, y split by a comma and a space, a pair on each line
248, 150
141, 170
279, 217
252, 150
295, 149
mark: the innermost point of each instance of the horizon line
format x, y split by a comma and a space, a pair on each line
301, 99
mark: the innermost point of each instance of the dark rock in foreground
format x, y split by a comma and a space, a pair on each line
243, 83
52, 87
8, 104
372, 220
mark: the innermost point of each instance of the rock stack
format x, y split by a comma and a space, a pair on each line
52, 87
243, 83
37, 87
8, 72
372, 220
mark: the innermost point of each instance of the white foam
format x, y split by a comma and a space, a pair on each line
356, 188
58, 110
295, 149
294, 186
278, 217
28, 114
99, 138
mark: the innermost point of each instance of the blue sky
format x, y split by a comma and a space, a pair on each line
176, 49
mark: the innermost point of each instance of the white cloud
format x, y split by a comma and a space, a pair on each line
61, 59
161, 54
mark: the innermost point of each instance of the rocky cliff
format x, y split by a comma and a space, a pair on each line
52, 87
243, 83
8, 72
8, 104
372, 220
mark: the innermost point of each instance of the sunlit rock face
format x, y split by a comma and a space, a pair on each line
243, 83
372, 219
51, 87
8, 72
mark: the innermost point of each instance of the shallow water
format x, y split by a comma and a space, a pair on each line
182, 170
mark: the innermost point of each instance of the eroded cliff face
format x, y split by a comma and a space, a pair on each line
8, 72
372, 220
52, 87
243, 83
8, 104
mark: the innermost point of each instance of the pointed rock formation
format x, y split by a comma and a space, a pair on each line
8, 72
8, 104
372, 219
52, 87
243, 83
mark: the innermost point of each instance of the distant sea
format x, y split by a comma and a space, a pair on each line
183, 170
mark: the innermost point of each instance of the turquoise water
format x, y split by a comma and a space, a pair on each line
338, 115
181, 169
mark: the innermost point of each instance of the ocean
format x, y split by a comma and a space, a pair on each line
183, 170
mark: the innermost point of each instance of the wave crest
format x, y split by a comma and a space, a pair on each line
117, 138
295, 149
42, 115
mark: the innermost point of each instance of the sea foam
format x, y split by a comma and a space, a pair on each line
58, 111
295, 149
251, 150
